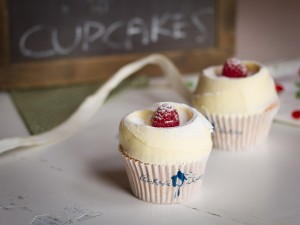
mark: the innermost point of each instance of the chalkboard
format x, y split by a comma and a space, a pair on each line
53, 42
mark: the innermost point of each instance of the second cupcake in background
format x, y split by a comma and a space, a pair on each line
240, 100
165, 149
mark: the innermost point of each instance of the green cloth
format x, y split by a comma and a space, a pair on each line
44, 109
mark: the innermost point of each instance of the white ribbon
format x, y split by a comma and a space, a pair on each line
88, 109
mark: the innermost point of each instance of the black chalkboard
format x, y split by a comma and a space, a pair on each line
110, 33
71, 28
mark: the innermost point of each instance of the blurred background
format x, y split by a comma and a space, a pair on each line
268, 30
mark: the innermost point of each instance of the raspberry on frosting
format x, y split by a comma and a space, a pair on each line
234, 68
165, 116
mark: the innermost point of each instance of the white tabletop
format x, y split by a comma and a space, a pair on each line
82, 180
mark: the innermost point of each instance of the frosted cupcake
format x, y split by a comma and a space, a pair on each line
240, 100
165, 149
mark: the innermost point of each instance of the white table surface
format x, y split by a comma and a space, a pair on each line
82, 180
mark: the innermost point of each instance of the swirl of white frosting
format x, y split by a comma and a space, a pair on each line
185, 143
223, 95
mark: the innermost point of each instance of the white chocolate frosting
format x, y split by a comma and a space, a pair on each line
185, 143
223, 95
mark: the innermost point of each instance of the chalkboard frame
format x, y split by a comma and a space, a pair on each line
57, 72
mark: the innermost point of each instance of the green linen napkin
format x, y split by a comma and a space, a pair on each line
44, 109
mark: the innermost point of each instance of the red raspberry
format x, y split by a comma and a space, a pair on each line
234, 68
165, 116
279, 87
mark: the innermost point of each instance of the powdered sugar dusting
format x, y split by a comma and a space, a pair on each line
191, 121
160, 145
235, 68
164, 109
165, 115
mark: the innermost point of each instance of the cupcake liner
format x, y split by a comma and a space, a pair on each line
164, 184
241, 132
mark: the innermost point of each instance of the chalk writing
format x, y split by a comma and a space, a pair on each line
134, 31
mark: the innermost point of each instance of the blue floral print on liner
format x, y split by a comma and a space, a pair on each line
178, 177
191, 178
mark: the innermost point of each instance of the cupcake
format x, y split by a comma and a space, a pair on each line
240, 100
165, 149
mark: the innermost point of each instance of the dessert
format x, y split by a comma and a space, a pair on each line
165, 163
240, 100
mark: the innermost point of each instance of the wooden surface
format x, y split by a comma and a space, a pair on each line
20, 73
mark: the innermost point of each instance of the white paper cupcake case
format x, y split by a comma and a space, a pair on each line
240, 132
154, 183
